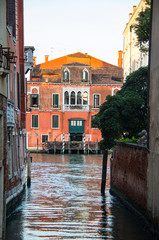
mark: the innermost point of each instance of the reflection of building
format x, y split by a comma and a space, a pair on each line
64, 94
12, 106
133, 58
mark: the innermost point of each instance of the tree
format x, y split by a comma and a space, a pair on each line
125, 112
142, 27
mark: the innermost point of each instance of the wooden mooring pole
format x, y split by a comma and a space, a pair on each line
28, 169
104, 171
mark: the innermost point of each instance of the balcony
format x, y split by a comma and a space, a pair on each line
10, 113
6, 58
75, 108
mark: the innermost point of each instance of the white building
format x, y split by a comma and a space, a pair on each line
133, 58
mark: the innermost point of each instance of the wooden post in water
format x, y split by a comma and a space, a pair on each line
97, 146
63, 144
28, 169
104, 171
54, 145
88, 145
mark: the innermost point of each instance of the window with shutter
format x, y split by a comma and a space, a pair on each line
55, 121
55, 101
35, 123
96, 100
34, 100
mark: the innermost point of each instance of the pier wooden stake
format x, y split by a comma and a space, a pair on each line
104, 172
28, 170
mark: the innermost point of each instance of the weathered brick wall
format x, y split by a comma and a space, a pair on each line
129, 172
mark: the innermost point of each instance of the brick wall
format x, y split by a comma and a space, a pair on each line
129, 173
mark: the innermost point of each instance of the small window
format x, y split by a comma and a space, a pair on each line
44, 138
66, 98
35, 123
72, 97
79, 123
34, 100
73, 123
55, 98
85, 98
55, 121
85, 75
96, 101
92, 124
66, 75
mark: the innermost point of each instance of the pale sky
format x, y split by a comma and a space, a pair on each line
60, 27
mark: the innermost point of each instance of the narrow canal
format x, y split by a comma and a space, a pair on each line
64, 202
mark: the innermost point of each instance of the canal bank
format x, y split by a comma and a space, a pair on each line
64, 202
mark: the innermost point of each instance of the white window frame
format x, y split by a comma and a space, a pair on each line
83, 73
76, 90
113, 89
99, 100
42, 137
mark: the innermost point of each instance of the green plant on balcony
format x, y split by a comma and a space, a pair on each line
65, 79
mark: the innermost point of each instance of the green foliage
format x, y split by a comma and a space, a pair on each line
142, 27
129, 140
126, 111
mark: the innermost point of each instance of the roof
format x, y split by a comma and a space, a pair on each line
75, 57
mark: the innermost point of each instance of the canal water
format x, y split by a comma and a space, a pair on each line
64, 202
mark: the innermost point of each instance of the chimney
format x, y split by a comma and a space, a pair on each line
120, 59
134, 8
46, 58
34, 61
130, 15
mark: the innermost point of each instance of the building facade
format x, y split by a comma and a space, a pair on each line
64, 94
12, 107
133, 58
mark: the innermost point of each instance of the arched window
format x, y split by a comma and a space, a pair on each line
72, 97
79, 98
66, 98
85, 98
66, 75
85, 75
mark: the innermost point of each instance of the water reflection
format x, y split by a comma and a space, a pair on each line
64, 202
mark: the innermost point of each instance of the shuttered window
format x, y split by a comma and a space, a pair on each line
34, 100
96, 100
55, 121
55, 100
35, 122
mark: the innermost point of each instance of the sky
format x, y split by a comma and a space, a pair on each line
60, 27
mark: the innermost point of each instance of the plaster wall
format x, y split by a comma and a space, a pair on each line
153, 163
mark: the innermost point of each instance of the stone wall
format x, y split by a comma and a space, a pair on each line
129, 173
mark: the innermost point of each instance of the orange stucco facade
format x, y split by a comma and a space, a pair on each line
71, 88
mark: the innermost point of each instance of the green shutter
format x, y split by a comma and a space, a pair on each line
38, 100
86, 74
31, 103
34, 121
55, 100
55, 121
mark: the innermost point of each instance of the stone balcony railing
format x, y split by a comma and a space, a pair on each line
10, 113
75, 108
